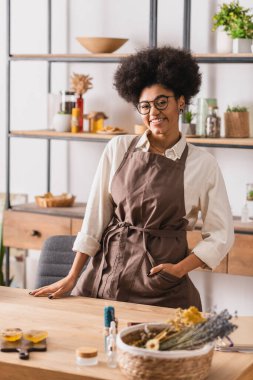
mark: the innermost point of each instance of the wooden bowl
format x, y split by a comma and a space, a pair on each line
99, 45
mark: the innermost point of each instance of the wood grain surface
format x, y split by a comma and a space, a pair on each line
77, 321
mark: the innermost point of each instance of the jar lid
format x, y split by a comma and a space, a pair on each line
86, 352
63, 92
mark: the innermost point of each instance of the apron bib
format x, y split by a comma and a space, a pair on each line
148, 228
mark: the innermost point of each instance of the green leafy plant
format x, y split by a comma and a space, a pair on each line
235, 20
237, 109
188, 116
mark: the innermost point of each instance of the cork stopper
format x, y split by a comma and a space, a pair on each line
86, 352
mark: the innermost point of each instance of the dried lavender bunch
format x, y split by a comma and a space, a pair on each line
218, 325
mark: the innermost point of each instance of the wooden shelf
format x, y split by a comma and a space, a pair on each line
114, 58
222, 142
110, 58
239, 227
246, 143
51, 134
76, 211
224, 58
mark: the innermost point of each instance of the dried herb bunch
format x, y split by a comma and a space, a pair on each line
80, 83
187, 333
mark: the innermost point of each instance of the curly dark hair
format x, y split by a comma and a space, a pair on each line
174, 69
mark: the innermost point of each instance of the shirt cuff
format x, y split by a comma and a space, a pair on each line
86, 244
210, 259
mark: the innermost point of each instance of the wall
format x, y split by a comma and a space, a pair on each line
74, 164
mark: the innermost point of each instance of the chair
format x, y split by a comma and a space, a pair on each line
55, 261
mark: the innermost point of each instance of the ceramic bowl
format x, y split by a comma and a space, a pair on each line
99, 45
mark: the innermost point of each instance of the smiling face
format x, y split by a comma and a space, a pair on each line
162, 122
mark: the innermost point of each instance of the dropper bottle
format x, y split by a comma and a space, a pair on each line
111, 347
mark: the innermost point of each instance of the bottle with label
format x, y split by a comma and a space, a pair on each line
212, 123
111, 347
75, 120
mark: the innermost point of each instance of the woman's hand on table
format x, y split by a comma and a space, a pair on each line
57, 289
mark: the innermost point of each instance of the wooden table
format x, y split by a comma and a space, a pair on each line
78, 321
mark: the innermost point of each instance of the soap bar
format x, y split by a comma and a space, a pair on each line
35, 336
11, 334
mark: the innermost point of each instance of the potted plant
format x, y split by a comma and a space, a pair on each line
236, 122
237, 22
188, 127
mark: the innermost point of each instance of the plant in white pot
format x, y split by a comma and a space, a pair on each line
236, 122
61, 122
188, 127
237, 22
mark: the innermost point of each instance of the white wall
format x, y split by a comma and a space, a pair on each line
74, 164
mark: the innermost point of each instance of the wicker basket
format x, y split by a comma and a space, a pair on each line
139, 363
236, 124
48, 200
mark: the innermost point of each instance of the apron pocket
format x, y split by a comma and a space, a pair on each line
168, 277
164, 281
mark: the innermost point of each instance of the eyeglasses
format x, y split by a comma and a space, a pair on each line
160, 103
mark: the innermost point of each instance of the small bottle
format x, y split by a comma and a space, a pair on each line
79, 104
245, 214
86, 356
212, 128
75, 120
111, 347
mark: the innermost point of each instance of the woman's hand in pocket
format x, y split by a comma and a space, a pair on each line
172, 269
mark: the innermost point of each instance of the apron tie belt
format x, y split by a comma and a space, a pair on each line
123, 229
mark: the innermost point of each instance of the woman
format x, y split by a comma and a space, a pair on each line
147, 192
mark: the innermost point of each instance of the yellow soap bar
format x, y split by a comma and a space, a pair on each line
11, 334
35, 336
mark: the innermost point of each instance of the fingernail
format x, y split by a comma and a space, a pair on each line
50, 297
149, 274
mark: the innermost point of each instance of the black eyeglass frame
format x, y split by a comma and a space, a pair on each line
159, 108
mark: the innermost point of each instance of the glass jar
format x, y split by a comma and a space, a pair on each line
86, 356
202, 112
68, 101
212, 123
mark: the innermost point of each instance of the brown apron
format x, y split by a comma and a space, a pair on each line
148, 228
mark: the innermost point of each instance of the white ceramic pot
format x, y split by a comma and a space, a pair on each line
61, 122
242, 45
223, 42
188, 128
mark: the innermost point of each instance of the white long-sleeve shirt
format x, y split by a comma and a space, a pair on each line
204, 190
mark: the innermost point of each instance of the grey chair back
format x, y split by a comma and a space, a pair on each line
55, 261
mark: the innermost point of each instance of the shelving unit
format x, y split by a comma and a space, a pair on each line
11, 214
70, 220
